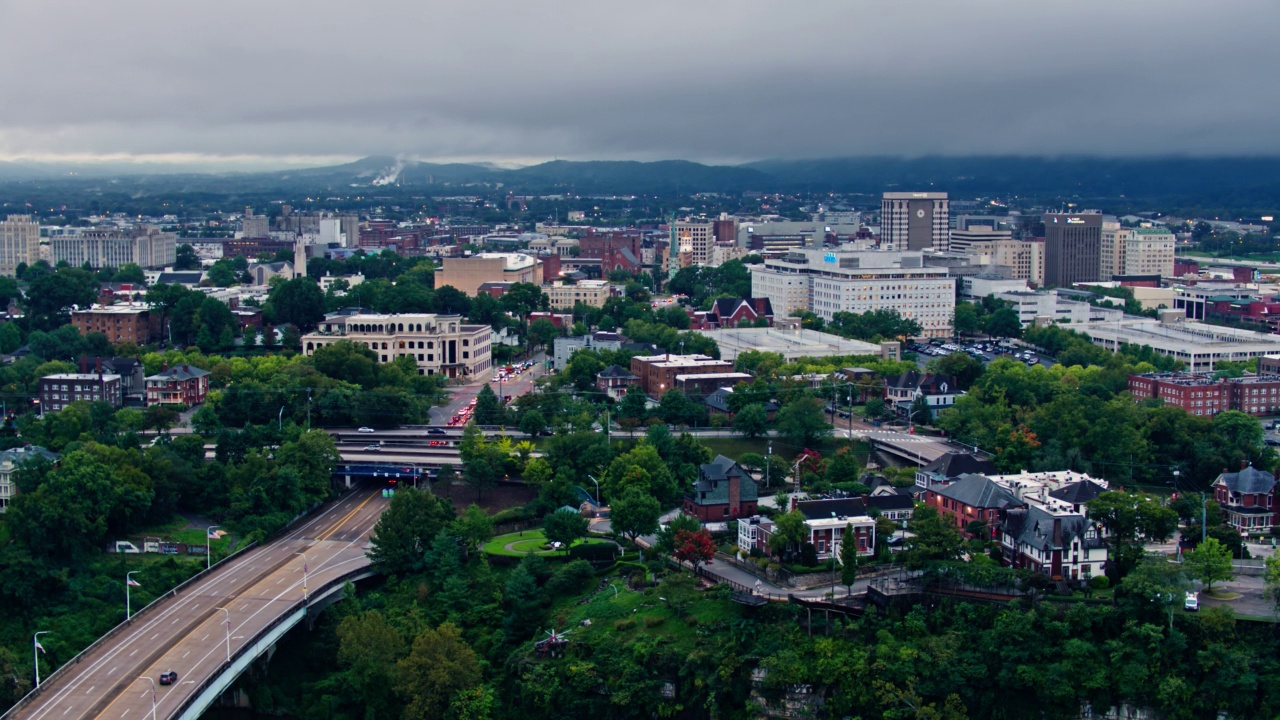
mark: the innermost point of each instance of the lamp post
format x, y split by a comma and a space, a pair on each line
128, 586
228, 624
280, 419
768, 461
208, 548
305, 572
597, 482
36, 649
153, 694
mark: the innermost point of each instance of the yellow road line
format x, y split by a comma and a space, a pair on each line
338, 525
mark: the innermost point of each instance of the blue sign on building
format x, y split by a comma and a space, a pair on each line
829, 257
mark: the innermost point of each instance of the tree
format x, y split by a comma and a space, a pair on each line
802, 422
489, 410
788, 532
369, 647
50, 297
1209, 563
1130, 518
524, 602
966, 318
474, 526
935, 537
921, 413
848, 557
298, 301
532, 423
542, 332
1003, 323
875, 407
406, 529
635, 513
1271, 580
752, 421
439, 666
564, 526
667, 534
633, 409
450, 300
694, 548
186, 258
1153, 583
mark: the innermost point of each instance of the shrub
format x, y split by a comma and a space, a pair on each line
624, 624
1100, 582
595, 552
572, 578
653, 620
691, 620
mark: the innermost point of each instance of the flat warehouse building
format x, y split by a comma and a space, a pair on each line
438, 344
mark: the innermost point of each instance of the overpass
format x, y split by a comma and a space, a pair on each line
917, 449
212, 627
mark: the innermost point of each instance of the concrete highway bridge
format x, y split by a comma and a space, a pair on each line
212, 627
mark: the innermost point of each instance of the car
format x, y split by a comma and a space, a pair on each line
1192, 602
365, 430
439, 443
372, 447
435, 431
168, 678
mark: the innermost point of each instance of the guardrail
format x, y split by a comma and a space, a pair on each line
251, 643
146, 610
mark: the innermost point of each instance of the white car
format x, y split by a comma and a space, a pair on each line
1192, 602
365, 430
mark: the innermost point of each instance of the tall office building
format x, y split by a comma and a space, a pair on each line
19, 243
145, 247
915, 220
1072, 248
1136, 251
696, 238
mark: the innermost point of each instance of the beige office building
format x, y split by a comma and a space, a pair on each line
1136, 251
587, 292
439, 344
469, 273
146, 247
19, 243
699, 238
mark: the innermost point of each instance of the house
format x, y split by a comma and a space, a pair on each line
59, 390
132, 378
723, 491
1063, 546
178, 385
565, 347
825, 521
718, 404
948, 468
896, 507
732, 313
939, 391
973, 498
13, 459
1247, 499
614, 381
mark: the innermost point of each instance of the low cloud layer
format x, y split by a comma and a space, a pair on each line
294, 81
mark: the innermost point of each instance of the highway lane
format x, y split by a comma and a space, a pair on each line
188, 633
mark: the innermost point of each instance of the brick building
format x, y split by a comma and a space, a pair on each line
973, 498
132, 322
1205, 395
1248, 500
178, 385
722, 492
658, 373
59, 390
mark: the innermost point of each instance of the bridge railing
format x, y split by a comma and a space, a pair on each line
251, 642
147, 610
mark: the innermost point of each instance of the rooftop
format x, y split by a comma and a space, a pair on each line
791, 344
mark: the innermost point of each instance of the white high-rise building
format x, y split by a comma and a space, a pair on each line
914, 220
1137, 251
19, 243
148, 248
825, 282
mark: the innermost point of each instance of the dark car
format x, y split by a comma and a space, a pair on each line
435, 431
168, 678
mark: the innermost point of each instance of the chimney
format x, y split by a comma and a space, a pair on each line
1057, 532
1244, 464
164, 366
186, 368
84, 364
97, 365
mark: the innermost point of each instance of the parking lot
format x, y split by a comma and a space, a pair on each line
984, 351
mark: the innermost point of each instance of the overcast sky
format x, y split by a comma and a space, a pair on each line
310, 81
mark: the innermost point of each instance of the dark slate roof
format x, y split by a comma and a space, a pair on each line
1248, 481
179, 372
718, 400
22, 454
121, 365
1078, 493
827, 509
180, 277
1033, 527
617, 371
907, 380
884, 503
713, 479
957, 464
979, 491
604, 336
630, 256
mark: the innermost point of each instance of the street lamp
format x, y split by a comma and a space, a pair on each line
129, 583
304, 574
280, 419
36, 649
768, 460
597, 482
208, 548
153, 694
228, 624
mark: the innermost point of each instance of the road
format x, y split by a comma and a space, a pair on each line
188, 633
521, 384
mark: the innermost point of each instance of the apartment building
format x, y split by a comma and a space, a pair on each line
1136, 251
111, 248
439, 344
469, 273
127, 322
825, 282
697, 238
59, 390
915, 220
659, 373
563, 296
178, 385
19, 243
1202, 394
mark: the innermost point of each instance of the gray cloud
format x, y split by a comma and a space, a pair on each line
705, 80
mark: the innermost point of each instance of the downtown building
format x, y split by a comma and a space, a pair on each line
826, 282
1202, 394
1072, 248
1136, 251
438, 344
915, 220
144, 247
19, 243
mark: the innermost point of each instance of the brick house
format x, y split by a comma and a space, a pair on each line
614, 381
722, 492
178, 385
950, 467
732, 313
1247, 499
973, 498
59, 390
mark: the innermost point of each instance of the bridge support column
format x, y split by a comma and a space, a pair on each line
347, 478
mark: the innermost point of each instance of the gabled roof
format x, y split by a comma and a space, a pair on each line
20, 455
714, 479
1078, 493
1248, 481
617, 372
718, 400
885, 503
908, 380
179, 372
1033, 527
827, 509
721, 468
979, 491
955, 464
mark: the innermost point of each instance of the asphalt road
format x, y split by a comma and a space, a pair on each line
515, 387
188, 633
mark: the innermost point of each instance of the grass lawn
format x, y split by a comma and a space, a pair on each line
630, 614
519, 544
177, 531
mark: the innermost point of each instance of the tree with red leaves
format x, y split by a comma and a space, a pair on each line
694, 548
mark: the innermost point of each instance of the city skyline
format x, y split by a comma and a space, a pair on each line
241, 86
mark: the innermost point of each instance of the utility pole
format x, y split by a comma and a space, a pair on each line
308, 408
768, 461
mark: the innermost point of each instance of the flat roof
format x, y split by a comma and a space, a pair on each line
791, 344
80, 376
124, 309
